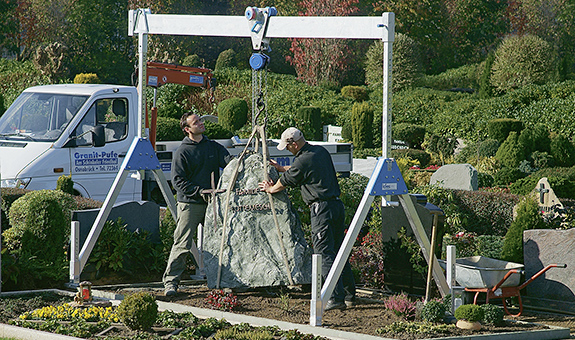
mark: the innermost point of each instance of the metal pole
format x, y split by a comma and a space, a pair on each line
316, 308
389, 23
451, 250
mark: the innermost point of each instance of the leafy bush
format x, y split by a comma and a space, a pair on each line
489, 246
309, 122
562, 180
9, 196
535, 139
40, 224
464, 77
562, 150
138, 311
492, 315
168, 129
412, 134
65, 184
433, 311
528, 217
542, 160
499, 129
401, 305
469, 313
510, 153
507, 176
523, 60
232, 113
361, 124
216, 131
419, 155
487, 148
357, 93
227, 58
86, 78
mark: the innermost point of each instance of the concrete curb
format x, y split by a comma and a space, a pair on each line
31, 334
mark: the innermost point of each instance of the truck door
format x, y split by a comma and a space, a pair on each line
95, 168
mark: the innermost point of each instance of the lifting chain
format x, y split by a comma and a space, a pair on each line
259, 96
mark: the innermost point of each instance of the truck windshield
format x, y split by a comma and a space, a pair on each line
39, 116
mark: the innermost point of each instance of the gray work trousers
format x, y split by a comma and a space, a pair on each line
189, 216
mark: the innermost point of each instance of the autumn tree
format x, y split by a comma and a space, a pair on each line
321, 61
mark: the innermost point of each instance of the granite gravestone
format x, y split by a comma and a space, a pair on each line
455, 176
252, 253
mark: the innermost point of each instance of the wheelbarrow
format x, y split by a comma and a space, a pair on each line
502, 290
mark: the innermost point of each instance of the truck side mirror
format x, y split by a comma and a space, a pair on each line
98, 136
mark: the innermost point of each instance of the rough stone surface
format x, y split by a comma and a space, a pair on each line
393, 219
252, 255
543, 247
455, 176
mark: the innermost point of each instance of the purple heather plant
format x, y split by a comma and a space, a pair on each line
401, 305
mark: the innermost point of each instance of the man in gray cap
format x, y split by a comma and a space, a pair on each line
313, 171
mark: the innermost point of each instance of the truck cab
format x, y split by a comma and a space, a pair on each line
81, 130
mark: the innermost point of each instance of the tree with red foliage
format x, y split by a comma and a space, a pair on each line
321, 61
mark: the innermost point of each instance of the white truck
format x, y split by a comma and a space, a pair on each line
85, 131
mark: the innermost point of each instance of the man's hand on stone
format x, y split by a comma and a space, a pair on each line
265, 185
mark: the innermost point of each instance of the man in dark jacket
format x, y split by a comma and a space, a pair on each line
192, 166
313, 171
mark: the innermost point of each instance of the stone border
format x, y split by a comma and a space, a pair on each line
32, 334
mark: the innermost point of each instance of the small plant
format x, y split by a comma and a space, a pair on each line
492, 315
68, 313
218, 299
138, 311
469, 313
433, 311
414, 328
65, 184
284, 302
401, 305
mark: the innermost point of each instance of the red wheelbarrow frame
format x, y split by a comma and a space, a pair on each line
498, 292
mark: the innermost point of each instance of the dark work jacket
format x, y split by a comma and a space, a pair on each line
313, 171
192, 166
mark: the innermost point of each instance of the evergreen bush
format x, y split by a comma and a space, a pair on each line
507, 176
357, 93
86, 78
463, 78
510, 153
138, 311
469, 313
488, 148
40, 223
562, 180
423, 157
171, 110
65, 184
528, 217
492, 315
485, 87
216, 131
433, 311
562, 150
444, 146
168, 129
535, 139
542, 160
309, 122
523, 60
412, 134
500, 128
227, 58
361, 124
192, 60
2, 107
232, 113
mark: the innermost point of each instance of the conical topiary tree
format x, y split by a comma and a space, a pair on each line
361, 125
510, 153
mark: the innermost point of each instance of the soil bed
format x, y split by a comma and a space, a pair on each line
293, 305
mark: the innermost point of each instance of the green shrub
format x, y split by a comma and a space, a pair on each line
138, 311
542, 160
227, 58
510, 153
86, 78
361, 124
232, 113
469, 313
485, 180
309, 122
433, 311
562, 180
171, 110
486, 212
412, 134
464, 77
216, 131
65, 184
499, 129
168, 129
40, 224
488, 148
528, 217
2, 107
407, 63
357, 93
535, 139
485, 87
9, 196
490, 245
523, 60
492, 315
562, 150
444, 146
423, 157
192, 60
507, 176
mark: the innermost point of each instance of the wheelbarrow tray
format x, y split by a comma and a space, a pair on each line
484, 272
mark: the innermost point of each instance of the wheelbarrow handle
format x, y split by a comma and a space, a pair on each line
561, 265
